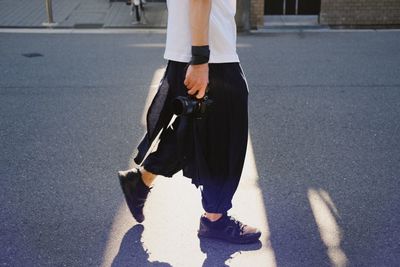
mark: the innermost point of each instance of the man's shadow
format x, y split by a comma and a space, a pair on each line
132, 252
218, 252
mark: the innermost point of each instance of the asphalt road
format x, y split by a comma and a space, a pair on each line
324, 127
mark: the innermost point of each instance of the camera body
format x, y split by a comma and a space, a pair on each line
187, 105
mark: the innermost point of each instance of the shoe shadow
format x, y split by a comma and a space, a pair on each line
132, 252
219, 252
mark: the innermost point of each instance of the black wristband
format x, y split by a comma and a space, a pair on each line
200, 55
197, 60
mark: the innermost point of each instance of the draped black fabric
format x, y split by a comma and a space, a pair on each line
210, 150
160, 112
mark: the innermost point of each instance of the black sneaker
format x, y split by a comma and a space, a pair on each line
228, 229
135, 192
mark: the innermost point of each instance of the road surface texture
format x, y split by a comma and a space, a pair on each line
322, 170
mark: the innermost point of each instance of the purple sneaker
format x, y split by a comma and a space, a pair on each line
135, 192
228, 229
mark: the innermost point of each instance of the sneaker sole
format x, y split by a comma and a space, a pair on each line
249, 240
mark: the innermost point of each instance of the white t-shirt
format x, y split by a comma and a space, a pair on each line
222, 32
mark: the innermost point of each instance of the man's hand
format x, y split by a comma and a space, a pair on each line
196, 80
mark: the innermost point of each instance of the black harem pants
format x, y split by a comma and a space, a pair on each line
210, 150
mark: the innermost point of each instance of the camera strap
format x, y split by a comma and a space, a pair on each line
156, 140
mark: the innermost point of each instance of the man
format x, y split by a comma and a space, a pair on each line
202, 60
137, 7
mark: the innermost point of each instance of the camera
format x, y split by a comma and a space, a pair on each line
188, 105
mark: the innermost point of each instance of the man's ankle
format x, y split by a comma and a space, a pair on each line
147, 177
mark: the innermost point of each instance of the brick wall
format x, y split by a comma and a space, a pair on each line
343, 12
360, 12
257, 13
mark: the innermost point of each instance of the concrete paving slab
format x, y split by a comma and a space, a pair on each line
118, 16
78, 13
290, 20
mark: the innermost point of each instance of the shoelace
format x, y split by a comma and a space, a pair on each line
239, 224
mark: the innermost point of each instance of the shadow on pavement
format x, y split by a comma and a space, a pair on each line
59, 191
132, 252
326, 144
328, 174
219, 252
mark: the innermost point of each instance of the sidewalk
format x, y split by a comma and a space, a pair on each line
79, 14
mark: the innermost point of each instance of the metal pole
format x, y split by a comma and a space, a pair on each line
297, 6
284, 7
49, 8
49, 11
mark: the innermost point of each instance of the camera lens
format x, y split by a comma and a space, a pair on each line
178, 106
183, 105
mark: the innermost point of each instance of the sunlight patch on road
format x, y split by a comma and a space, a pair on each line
172, 215
324, 211
248, 205
155, 82
123, 221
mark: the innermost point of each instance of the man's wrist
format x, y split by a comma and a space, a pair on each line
200, 55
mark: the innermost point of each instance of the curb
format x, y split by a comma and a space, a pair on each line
299, 29
82, 31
